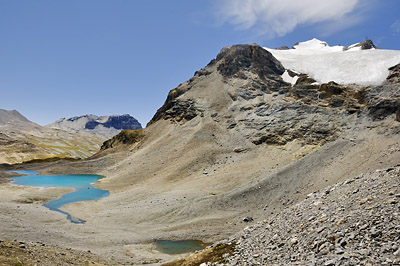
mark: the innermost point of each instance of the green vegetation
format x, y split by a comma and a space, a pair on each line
213, 255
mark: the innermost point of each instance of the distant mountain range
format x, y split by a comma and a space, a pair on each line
22, 140
105, 126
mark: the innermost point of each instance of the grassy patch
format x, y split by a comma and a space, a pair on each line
213, 254
50, 159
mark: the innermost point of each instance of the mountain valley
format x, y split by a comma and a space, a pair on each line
249, 136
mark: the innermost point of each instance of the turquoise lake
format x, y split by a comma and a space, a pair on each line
82, 184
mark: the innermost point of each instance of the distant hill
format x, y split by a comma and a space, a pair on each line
105, 126
22, 140
11, 116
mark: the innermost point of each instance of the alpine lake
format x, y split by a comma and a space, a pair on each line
82, 184
83, 191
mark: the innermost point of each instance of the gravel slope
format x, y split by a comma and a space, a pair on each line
355, 222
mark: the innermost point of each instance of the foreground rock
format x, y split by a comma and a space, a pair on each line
356, 222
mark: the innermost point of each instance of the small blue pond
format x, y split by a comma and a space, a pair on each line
84, 190
179, 247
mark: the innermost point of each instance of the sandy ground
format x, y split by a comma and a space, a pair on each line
183, 197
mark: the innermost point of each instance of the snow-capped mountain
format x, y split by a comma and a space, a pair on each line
344, 65
106, 126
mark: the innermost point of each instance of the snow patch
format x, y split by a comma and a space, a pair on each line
287, 78
325, 63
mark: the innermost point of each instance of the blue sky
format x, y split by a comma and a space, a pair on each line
62, 58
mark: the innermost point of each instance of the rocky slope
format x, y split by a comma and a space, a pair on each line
22, 140
104, 126
355, 222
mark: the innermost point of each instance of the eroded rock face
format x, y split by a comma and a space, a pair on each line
394, 76
384, 100
175, 109
247, 62
384, 108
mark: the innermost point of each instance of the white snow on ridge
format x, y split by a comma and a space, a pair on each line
316, 46
325, 63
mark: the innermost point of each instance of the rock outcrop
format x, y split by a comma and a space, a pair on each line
384, 100
125, 137
367, 45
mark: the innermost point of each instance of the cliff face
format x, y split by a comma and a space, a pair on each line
105, 126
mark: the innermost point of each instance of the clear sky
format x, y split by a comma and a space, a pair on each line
63, 58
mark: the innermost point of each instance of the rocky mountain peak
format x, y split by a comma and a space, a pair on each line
248, 57
367, 44
249, 64
106, 126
